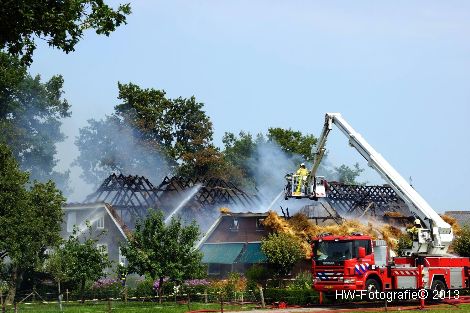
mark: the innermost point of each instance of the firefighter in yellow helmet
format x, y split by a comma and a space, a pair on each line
303, 173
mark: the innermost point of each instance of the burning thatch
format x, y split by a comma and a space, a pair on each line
300, 226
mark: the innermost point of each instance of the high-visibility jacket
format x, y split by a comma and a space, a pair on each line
302, 172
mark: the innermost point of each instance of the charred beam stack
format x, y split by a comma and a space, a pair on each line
212, 191
360, 200
132, 196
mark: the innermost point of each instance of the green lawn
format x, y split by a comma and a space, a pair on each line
120, 307
461, 308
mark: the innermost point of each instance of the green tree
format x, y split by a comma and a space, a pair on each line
56, 264
30, 217
348, 175
240, 152
282, 251
176, 130
31, 113
60, 23
83, 261
461, 244
293, 142
404, 243
162, 250
178, 125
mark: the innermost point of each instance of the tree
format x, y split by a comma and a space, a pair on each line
30, 217
177, 131
83, 261
178, 125
56, 265
282, 251
461, 244
241, 153
60, 23
293, 142
347, 175
109, 145
31, 113
159, 250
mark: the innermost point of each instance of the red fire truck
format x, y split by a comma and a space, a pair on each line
356, 262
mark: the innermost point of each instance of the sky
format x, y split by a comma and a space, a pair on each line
398, 71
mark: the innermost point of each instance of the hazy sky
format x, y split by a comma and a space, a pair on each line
399, 72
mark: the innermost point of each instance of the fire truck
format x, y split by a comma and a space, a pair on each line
357, 262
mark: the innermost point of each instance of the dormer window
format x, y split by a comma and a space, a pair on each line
100, 222
235, 225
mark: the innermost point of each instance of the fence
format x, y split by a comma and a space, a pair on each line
128, 297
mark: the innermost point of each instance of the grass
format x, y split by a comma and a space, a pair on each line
461, 308
120, 307
168, 307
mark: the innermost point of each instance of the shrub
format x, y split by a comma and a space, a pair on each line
193, 286
404, 242
106, 288
144, 288
257, 274
301, 281
283, 251
461, 244
297, 297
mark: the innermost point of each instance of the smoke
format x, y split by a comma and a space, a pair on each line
268, 164
32, 133
109, 145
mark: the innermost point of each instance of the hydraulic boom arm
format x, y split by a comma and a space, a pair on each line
437, 235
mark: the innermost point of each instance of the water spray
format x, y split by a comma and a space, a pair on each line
275, 200
191, 194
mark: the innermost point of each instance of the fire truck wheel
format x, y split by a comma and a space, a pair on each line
372, 285
437, 288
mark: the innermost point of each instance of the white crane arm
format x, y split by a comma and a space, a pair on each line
441, 232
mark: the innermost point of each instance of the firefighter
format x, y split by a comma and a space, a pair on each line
413, 231
303, 173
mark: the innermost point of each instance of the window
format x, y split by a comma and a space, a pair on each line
71, 221
103, 248
100, 222
122, 258
259, 224
366, 244
213, 269
235, 225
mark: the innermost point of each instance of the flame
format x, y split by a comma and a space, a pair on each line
224, 210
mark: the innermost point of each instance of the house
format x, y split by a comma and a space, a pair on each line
104, 225
462, 217
233, 243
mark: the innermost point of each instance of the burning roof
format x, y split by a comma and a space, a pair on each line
360, 200
132, 196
